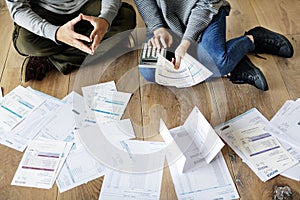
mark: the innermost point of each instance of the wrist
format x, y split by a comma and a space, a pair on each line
185, 43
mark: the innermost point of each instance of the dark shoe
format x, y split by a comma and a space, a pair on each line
35, 68
246, 72
267, 41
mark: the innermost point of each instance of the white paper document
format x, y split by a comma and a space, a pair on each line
110, 106
78, 109
90, 92
263, 151
255, 145
17, 105
41, 163
190, 72
79, 168
60, 125
196, 140
104, 103
293, 172
23, 133
127, 186
287, 120
211, 181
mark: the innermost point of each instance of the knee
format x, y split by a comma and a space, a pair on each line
128, 13
22, 41
223, 65
216, 63
28, 43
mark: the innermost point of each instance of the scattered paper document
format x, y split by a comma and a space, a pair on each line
60, 125
20, 136
127, 186
196, 139
96, 138
287, 120
41, 163
104, 103
232, 132
211, 181
17, 105
293, 172
24, 132
91, 91
110, 106
190, 72
263, 151
79, 168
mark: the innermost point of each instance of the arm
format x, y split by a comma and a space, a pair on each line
109, 10
150, 14
23, 15
154, 22
200, 17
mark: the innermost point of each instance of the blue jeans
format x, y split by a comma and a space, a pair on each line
213, 51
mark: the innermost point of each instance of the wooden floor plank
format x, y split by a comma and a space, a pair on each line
281, 16
3, 5
241, 18
6, 28
12, 70
219, 100
290, 69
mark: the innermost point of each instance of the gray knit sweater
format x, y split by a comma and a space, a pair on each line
186, 17
22, 14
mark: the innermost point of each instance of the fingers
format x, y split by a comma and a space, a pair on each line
81, 46
76, 20
96, 41
81, 37
87, 18
163, 42
159, 42
177, 62
170, 41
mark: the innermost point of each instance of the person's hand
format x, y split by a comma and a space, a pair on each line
100, 28
67, 35
180, 52
161, 37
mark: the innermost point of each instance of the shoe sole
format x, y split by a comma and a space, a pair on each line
23, 70
131, 41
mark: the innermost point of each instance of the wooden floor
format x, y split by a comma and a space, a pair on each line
219, 100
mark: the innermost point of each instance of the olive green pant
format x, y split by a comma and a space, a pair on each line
64, 57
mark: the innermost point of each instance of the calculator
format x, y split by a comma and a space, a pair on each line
149, 54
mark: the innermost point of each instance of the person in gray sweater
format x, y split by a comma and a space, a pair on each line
60, 34
199, 27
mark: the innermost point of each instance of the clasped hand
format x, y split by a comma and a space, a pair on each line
67, 35
163, 39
